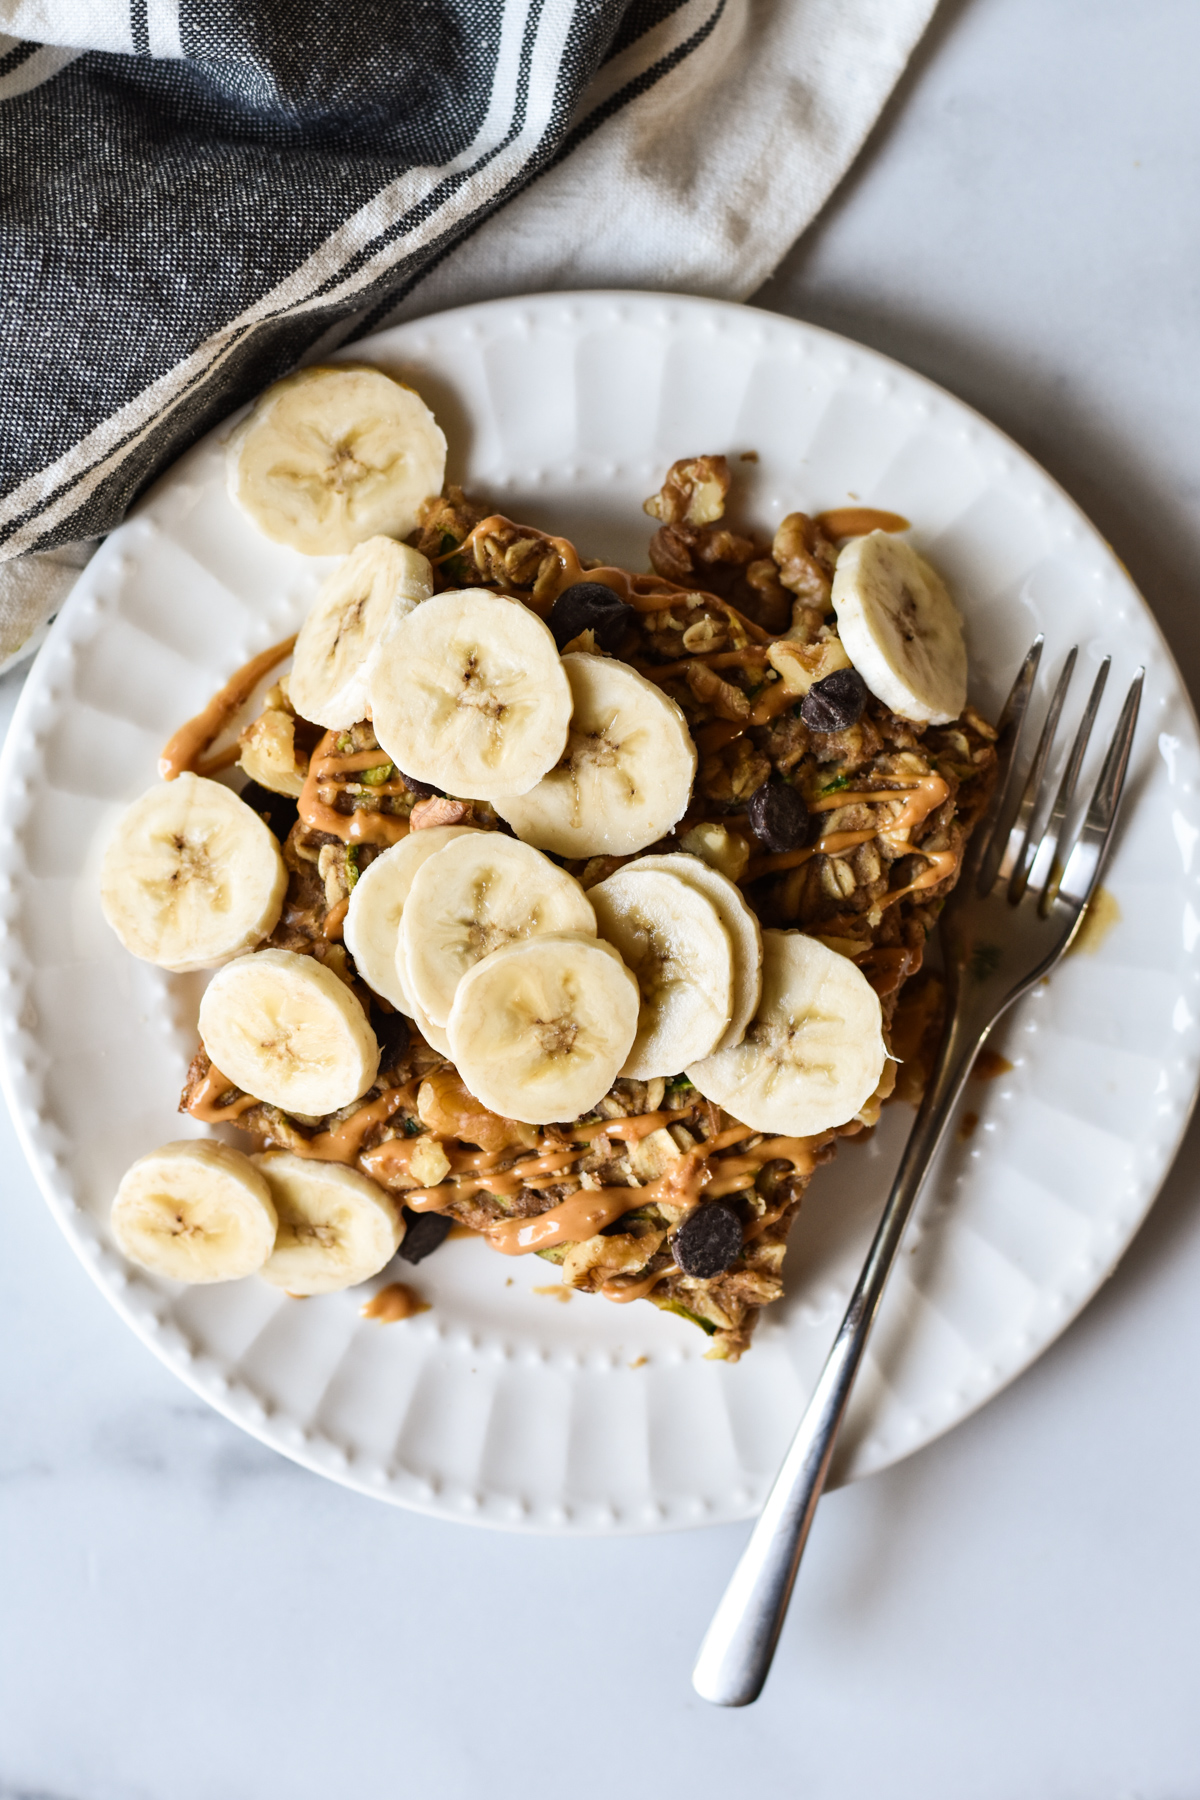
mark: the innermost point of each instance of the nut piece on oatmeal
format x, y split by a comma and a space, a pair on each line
267, 752
693, 493
723, 850
805, 558
801, 666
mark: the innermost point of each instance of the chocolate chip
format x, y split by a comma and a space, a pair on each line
425, 1233
590, 606
420, 789
279, 810
779, 816
835, 703
708, 1241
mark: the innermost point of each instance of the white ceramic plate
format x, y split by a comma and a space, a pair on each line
500, 1404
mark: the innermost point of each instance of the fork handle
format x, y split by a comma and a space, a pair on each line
736, 1654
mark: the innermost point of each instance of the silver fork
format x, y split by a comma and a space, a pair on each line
1017, 906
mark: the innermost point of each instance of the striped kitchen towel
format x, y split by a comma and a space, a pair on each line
194, 194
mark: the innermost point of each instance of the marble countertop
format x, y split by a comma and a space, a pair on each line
188, 1616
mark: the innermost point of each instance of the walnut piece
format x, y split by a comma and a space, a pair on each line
693, 493
805, 559
799, 666
445, 1106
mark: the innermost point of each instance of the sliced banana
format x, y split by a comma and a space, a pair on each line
330, 457
434, 1035
285, 1029
745, 934
540, 1029
195, 1211
900, 628
336, 1228
379, 583
469, 695
192, 876
475, 895
627, 772
814, 1053
372, 927
669, 933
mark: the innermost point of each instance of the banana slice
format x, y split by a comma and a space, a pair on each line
745, 935
627, 772
372, 927
434, 1035
336, 1228
379, 583
478, 893
192, 876
195, 1211
540, 1029
669, 933
814, 1053
284, 1028
900, 628
469, 694
330, 457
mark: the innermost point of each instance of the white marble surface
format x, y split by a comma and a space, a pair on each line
187, 1616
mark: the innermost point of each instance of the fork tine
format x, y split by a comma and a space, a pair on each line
1018, 851
1042, 865
1008, 727
1086, 861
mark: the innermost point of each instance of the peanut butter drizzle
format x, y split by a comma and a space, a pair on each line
392, 1303
360, 826
580, 1216
191, 740
392, 1158
751, 655
570, 568
589, 1211
343, 1143
654, 593
583, 1214
777, 698
646, 593
856, 521
338, 764
203, 1104
474, 1172
923, 794
632, 1130
735, 1173
942, 864
621, 1289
